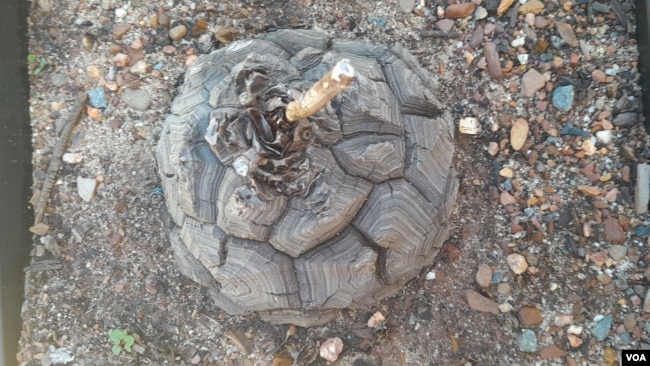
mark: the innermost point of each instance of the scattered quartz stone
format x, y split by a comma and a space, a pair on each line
574, 340
178, 32
562, 320
139, 68
563, 97
86, 188
493, 148
484, 275
531, 82
531, 6
613, 231
642, 188
590, 191
518, 42
445, 25
601, 327
517, 263
519, 134
505, 308
506, 199
566, 32
504, 289
480, 13
97, 97
406, 5
430, 276
605, 136
376, 320
551, 351
455, 11
478, 302
119, 30
331, 348
72, 158
574, 329
469, 125
39, 229
506, 172
527, 341
618, 252
226, 34
120, 60
137, 99
599, 76
646, 302
504, 6
59, 79
492, 60
530, 316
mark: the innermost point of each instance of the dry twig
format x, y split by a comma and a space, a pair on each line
336, 81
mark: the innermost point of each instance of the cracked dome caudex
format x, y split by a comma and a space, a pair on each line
297, 220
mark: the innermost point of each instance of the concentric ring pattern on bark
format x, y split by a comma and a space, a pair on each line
374, 215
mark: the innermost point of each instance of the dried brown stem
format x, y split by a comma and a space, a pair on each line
336, 81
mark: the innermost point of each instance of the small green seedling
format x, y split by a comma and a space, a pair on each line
34, 66
121, 340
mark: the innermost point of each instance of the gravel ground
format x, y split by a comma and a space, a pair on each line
547, 261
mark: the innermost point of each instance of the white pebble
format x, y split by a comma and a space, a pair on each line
120, 13
469, 125
518, 42
523, 58
431, 276
605, 136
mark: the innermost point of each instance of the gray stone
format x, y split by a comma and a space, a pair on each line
602, 327
406, 5
527, 341
137, 99
60, 79
97, 97
618, 252
86, 188
563, 97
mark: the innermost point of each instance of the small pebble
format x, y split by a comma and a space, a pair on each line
601, 328
139, 68
484, 275
605, 136
530, 316
517, 263
97, 97
506, 172
469, 125
566, 32
550, 352
226, 34
563, 320
618, 252
504, 289
519, 134
646, 302
481, 303
480, 13
86, 188
137, 99
613, 231
527, 341
72, 158
532, 6
455, 11
406, 5
376, 320
506, 199
178, 32
563, 97
492, 60
331, 349
531, 82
